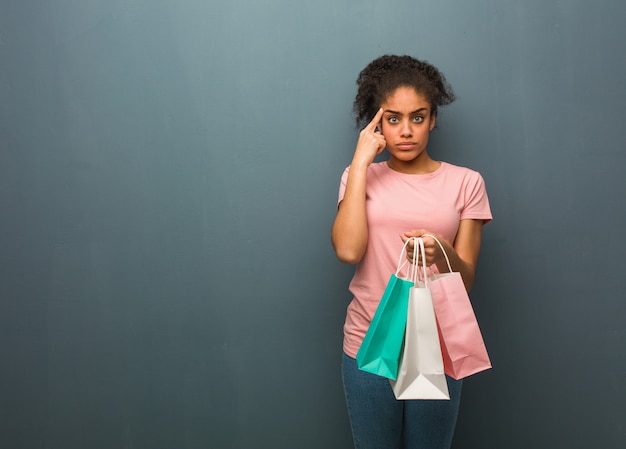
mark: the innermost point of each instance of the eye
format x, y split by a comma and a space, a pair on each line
418, 119
393, 120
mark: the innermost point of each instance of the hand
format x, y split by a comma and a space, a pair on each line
371, 141
431, 247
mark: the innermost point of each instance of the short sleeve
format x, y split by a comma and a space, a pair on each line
476, 200
342, 185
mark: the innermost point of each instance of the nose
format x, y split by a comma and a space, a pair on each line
406, 130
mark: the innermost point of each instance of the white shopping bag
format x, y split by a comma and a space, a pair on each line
421, 374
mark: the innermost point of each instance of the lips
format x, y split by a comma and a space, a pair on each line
405, 146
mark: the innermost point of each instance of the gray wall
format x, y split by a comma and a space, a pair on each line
168, 178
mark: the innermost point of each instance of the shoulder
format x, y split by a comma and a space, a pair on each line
465, 180
464, 175
460, 171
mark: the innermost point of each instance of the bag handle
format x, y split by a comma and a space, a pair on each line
418, 244
402, 261
442, 250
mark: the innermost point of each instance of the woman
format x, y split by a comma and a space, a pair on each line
383, 204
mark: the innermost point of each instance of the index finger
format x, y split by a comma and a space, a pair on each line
375, 121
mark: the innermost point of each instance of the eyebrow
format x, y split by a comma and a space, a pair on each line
389, 111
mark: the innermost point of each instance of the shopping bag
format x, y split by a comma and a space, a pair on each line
381, 347
421, 374
462, 345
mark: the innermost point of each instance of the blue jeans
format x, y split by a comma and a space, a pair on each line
380, 421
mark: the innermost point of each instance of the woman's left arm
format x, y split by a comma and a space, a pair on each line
463, 254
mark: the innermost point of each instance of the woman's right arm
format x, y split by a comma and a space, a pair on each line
349, 233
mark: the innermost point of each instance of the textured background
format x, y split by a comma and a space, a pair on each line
168, 178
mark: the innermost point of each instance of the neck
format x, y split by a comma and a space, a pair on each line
418, 166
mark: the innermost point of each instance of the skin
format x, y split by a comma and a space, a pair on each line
402, 126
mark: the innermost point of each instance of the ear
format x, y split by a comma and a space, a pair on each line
433, 120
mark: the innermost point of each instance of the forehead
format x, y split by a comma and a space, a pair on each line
405, 99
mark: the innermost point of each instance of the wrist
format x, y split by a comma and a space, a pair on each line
359, 164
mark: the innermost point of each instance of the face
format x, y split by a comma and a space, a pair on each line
406, 124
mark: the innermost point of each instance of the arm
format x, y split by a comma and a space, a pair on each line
463, 254
349, 232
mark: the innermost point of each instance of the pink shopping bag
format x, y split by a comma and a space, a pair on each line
462, 346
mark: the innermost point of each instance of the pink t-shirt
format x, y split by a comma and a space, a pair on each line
396, 203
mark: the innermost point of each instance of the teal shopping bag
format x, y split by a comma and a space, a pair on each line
381, 348
382, 345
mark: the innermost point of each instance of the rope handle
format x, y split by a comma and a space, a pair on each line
413, 274
402, 261
419, 241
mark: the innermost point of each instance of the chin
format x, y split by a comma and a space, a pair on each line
406, 157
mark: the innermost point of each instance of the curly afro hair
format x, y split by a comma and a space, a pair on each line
385, 74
